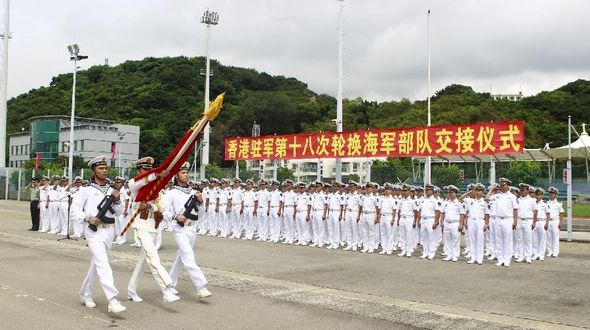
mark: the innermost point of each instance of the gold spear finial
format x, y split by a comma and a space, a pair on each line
215, 107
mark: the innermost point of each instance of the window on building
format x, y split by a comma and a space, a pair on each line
81, 145
355, 167
75, 145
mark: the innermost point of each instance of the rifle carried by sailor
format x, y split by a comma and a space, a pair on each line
189, 206
105, 205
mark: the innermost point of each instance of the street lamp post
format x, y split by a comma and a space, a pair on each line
209, 18
75, 57
428, 165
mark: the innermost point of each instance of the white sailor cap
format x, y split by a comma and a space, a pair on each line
145, 162
185, 167
553, 190
98, 161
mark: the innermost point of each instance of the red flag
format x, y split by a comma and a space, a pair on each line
113, 151
38, 161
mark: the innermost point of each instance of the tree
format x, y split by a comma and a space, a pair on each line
526, 172
446, 175
390, 170
213, 171
284, 173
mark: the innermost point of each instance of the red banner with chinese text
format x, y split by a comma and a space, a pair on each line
462, 140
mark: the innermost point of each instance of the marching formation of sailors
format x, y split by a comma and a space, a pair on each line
503, 224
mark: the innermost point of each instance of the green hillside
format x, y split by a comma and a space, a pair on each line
165, 96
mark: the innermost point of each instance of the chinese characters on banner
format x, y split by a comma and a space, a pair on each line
471, 139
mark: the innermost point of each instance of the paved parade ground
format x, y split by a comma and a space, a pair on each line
275, 286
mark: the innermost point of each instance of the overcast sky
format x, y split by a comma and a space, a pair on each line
505, 45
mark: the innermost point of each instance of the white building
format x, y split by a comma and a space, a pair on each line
306, 170
50, 135
510, 97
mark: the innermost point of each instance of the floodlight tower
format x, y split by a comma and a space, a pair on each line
209, 18
5, 34
339, 92
74, 57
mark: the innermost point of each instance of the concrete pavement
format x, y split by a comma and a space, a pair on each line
372, 288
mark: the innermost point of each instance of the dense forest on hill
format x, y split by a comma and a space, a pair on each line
165, 97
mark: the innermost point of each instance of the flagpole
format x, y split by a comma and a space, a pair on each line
569, 178
428, 165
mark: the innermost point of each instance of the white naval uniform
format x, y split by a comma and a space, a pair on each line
370, 208
212, 214
185, 237
84, 206
451, 218
249, 204
555, 209
539, 232
490, 234
353, 203
43, 210
505, 205
79, 225
274, 220
63, 198
236, 212
263, 197
223, 216
389, 231
146, 234
203, 223
524, 230
302, 201
53, 210
289, 226
428, 209
125, 217
476, 210
318, 205
407, 206
336, 204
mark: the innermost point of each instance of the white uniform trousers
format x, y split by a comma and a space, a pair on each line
553, 238
452, 239
213, 220
185, 240
539, 239
504, 237
438, 232
79, 228
352, 228
388, 241
63, 217
262, 221
525, 236
334, 227
289, 223
123, 221
149, 255
45, 223
274, 224
317, 226
236, 221
202, 224
476, 238
368, 230
224, 221
249, 221
406, 231
428, 236
302, 227
158, 242
53, 216
415, 237
99, 243
491, 233
343, 230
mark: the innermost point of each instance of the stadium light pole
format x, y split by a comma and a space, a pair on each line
74, 57
209, 18
428, 165
339, 91
3, 83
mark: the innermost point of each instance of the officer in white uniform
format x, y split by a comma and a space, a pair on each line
73, 190
302, 214
237, 208
288, 212
370, 217
184, 227
477, 215
211, 209
250, 205
84, 208
262, 212
203, 223
352, 216
451, 218
527, 217
388, 209
144, 227
319, 207
223, 208
428, 213
553, 224
405, 221
53, 194
506, 216
336, 205
43, 205
274, 217
540, 228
